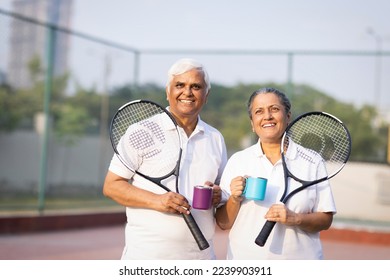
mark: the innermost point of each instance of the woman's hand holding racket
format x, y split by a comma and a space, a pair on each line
280, 213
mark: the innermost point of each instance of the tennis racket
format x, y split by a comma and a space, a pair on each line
319, 136
149, 133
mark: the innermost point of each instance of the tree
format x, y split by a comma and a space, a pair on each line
226, 109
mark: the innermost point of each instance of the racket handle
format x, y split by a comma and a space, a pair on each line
196, 232
264, 233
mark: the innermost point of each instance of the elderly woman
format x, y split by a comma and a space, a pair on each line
296, 234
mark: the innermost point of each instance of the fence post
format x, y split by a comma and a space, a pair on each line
50, 47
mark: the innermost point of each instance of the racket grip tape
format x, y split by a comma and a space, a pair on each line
264, 233
196, 232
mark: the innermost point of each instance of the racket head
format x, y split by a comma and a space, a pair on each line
319, 136
142, 131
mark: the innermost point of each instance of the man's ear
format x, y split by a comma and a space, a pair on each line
167, 92
207, 96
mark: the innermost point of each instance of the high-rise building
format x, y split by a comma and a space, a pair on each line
28, 40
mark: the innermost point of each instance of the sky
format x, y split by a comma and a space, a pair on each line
245, 25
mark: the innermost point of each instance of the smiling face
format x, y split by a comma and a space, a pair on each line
186, 94
269, 118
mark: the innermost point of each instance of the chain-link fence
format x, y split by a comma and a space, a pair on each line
44, 65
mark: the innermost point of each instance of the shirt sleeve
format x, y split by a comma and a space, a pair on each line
325, 201
117, 167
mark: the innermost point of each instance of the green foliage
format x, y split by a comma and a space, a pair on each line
9, 119
19, 107
71, 123
226, 110
80, 114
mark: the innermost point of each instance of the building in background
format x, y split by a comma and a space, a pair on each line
28, 40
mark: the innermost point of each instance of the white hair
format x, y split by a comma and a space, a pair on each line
184, 65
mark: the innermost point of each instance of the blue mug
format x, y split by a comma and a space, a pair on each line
255, 188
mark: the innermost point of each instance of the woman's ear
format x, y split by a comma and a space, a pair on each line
253, 129
288, 118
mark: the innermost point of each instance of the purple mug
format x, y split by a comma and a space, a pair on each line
203, 197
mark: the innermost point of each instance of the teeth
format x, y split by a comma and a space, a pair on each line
269, 125
186, 101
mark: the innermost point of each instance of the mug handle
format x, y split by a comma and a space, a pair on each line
244, 190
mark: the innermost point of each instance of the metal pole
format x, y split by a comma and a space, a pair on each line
378, 70
378, 66
136, 70
53, 15
46, 110
388, 144
104, 112
290, 57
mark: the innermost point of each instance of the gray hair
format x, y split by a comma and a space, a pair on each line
282, 97
184, 65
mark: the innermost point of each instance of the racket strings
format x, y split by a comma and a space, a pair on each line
156, 129
307, 155
143, 139
147, 135
130, 115
140, 139
322, 135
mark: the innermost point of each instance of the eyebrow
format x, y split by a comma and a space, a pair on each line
268, 106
